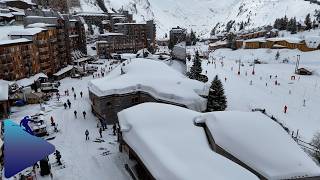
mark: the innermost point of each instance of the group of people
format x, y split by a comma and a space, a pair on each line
101, 129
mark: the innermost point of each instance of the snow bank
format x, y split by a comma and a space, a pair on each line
28, 81
260, 143
172, 147
155, 78
4, 90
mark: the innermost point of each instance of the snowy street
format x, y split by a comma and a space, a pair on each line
83, 159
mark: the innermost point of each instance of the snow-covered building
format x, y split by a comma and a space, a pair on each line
144, 80
162, 142
155, 135
4, 99
259, 144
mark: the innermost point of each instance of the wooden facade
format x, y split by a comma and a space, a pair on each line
106, 108
17, 60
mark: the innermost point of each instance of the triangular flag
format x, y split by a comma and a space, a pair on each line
22, 150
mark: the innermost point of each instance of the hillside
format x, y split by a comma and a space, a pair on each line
203, 15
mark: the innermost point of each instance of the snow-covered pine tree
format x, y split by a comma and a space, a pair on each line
308, 22
292, 26
217, 100
196, 69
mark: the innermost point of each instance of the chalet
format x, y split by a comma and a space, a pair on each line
177, 35
144, 80
244, 137
218, 45
255, 43
4, 100
161, 142
21, 4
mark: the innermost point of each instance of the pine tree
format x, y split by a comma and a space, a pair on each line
292, 26
196, 69
308, 22
217, 100
241, 26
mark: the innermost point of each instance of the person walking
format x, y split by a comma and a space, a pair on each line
285, 109
114, 128
81, 94
72, 89
65, 105
75, 114
75, 96
87, 135
100, 132
52, 121
69, 103
84, 114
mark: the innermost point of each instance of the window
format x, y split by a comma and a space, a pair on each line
135, 100
109, 104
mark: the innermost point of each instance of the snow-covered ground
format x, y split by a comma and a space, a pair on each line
263, 93
83, 159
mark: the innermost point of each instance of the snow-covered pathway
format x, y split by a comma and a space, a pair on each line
83, 159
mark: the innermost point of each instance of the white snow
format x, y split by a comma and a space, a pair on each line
21, 40
172, 147
155, 78
5, 30
28, 81
26, 32
244, 97
64, 70
39, 25
260, 143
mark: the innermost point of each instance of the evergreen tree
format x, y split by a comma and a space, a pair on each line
308, 22
217, 100
317, 15
241, 26
196, 69
292, 26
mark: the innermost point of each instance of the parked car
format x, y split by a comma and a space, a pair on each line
49, 87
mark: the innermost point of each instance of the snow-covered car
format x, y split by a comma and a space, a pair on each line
49, 87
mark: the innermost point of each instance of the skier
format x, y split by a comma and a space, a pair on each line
65, 105
100, 132
72, 89
75, 114
114, 129
225, 79
75, 96
69, 103
58, 157
84, 114
81, 94
285, 109
87, 134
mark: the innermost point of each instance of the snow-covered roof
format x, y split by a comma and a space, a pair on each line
288, 39
27, 32
172, 147
7, 15
64, 70
91, 14
260, 143
28, 81
313, 41
40, 25
111, 34
255, 40
155, 78
121, 24
7, 42
218, 43
4, 90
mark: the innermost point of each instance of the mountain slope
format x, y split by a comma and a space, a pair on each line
202, 15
